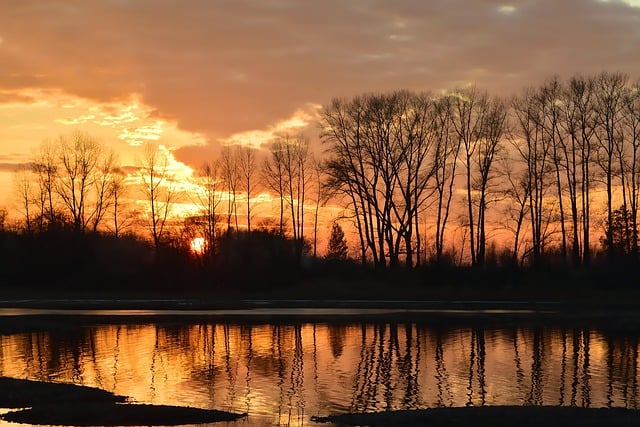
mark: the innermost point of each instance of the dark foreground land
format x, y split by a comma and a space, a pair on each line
491, 416
72, 405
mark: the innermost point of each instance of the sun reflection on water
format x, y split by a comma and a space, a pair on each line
284, 373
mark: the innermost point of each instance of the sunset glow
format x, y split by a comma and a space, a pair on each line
198, 245
191, 80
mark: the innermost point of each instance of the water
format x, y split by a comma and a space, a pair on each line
282, 374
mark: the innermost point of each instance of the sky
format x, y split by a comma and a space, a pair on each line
193, 75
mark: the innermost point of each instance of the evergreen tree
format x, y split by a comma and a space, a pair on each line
337, 243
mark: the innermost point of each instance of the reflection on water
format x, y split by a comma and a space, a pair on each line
284, 374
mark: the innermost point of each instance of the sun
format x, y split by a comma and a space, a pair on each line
197, 245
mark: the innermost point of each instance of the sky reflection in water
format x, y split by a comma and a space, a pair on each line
286, 373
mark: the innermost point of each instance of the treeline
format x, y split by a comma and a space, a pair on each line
532, 164
425, 179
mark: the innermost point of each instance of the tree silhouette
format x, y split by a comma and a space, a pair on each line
337, 243
619, 235
158, 190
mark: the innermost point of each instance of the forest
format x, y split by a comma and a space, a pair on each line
424, 181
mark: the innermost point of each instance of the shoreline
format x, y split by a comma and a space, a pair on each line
38, 313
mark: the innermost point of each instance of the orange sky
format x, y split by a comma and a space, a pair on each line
192, 75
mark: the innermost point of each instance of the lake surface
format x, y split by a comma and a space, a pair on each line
282, 373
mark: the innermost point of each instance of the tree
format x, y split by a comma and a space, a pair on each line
296, 162
75, 182
157, 188
493, 128
469, 107
379, 146
274, 176
445, 162
517, 196
631, 167
337, 248
108, 178
609, 107
320, 199
24, 190
617, 239
78, 157
535, 152
121, 219
231, 177
45, 168
209, 198
479, 124
581, 123
248, 169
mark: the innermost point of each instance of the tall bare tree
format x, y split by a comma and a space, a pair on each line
536, 152
610, 91
445, 162
631, 167
274, 174
581, 116
45, 166
296, 168
209, 198
158, 189
24, 189
107, 177
248, 167
231, 176
78, 157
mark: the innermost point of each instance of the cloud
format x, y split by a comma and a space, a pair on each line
295, 124
12, 167
224, 69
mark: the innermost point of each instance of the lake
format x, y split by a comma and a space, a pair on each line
283, 372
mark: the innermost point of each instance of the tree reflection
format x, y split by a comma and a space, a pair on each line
337, 334
444, 395
289, 371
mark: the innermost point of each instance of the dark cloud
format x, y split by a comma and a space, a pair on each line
13, 167
226, 66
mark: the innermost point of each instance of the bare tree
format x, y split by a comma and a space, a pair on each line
479, 124
296, 163
158, 190
231, 176
517, 195
247, 165
609, 107
209, 198
45, 167
105, 187
445, 162
536, 153
489, 146
631, 132
78, 157
581, 123
122, 219
23, 185
320, 198
379, 148
274, 174
550, 95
